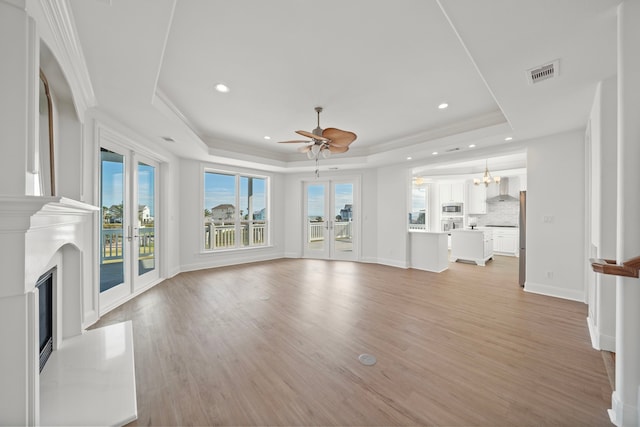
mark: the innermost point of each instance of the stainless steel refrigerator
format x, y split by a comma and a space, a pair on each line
523, 239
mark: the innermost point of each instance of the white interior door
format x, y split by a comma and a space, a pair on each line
330, 220
128, 230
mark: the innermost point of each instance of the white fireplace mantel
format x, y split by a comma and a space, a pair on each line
38, 233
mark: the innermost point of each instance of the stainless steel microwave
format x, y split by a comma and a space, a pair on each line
452, 209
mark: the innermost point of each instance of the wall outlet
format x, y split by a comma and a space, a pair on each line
547, 218
549, 274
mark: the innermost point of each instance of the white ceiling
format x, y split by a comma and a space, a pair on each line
379, 69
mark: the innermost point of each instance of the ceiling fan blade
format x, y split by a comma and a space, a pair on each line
338, 149
293, 141
310, 135
339, 137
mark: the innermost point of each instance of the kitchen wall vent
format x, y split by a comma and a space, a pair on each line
543, 72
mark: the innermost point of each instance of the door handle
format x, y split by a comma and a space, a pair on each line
131, 234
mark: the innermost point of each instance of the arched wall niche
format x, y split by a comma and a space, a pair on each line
61, 150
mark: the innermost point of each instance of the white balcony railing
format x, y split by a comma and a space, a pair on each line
342, 230
220, 236
111, 246
315, 231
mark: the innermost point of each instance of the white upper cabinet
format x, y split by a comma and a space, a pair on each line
453, 192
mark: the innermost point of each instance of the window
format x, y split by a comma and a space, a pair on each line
235, 211
419, 205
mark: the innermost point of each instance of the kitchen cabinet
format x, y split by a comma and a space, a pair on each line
477, 199
506, 241
472, 245
453, 192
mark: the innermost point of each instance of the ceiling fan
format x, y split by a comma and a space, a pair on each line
324, 141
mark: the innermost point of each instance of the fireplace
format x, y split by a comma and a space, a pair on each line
45, 315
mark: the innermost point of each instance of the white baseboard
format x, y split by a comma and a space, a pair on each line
393, 263
600, 341
215, 262
553, 291
292, 255
593, 333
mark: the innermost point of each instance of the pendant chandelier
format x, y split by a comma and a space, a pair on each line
486, 178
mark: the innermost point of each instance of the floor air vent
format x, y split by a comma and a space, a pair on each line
543, 72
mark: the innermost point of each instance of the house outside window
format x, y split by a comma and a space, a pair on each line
418, 217
228, 227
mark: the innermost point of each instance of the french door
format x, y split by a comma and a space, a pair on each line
330, 220
128, 229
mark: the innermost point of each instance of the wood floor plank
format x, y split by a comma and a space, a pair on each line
277, 343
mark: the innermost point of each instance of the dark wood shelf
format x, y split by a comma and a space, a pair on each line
629, 268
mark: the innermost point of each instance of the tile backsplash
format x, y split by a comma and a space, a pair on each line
500, 213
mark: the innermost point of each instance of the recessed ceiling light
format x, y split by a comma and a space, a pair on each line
508, 138
409, 158
222, 88
443, 106
434, 153
267, 137
472, 145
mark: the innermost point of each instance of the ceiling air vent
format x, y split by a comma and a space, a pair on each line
543, 72
168, 138
449, 150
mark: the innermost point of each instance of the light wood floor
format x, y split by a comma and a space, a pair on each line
277, 343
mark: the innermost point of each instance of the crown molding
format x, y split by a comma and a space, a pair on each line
68, 48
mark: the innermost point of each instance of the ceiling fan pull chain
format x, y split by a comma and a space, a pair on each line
317, 167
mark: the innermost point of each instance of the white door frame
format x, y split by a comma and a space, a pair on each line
133, 283
328, 249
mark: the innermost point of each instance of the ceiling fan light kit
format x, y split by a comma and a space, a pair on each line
324, 141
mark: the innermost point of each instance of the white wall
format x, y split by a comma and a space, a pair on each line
191, 224
392, 235
602, 227
555, 216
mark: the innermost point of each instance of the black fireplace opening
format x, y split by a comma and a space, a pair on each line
45, 308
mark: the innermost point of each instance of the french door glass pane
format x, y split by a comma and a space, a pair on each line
146, 218
112, 247
343, 216
315, 216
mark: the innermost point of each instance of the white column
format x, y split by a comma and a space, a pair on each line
19, 86
625, 397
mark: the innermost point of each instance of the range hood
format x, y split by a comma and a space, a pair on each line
503, 196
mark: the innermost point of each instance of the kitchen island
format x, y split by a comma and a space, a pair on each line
472, 245
429, 250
